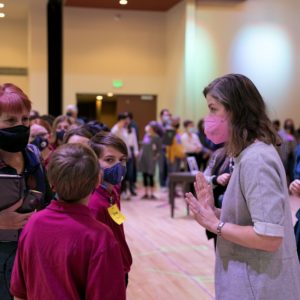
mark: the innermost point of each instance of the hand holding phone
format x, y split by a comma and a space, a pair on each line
31, 202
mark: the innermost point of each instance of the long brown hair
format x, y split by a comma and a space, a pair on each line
247, 111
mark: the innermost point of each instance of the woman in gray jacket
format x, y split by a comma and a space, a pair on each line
256, 254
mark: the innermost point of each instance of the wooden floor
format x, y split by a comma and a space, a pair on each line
172, 258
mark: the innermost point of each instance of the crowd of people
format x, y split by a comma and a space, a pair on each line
83, 169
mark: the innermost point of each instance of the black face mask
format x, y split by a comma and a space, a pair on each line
60, 135
40, 142
14, 139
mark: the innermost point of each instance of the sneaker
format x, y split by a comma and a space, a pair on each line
145, 197
164, 189
153, 197
133, 193
125, 196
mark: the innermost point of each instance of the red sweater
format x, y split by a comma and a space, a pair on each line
64, 253
99, 203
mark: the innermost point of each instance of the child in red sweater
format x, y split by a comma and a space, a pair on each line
63, 252
105, 201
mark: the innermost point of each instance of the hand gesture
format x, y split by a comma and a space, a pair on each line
204, 191
202, 213
203, 207
10, 219
295, 187
223, 179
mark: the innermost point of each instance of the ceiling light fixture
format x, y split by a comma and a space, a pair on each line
123, 2
99, 98
2, 5
110, 94
2, 15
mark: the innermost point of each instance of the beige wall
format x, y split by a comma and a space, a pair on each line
103, 45
259, 38
37, 55
173, 97
13, 50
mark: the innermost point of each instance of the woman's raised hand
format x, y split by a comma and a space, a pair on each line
203, 207
204, 190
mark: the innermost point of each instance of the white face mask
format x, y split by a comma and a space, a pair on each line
191, 130
166, 118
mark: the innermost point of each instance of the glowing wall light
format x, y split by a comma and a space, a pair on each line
200, 67
206, 56
264, 53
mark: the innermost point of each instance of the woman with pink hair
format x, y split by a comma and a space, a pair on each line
18, 160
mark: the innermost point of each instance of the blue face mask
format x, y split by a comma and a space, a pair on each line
40, 142
60, 134
115, 174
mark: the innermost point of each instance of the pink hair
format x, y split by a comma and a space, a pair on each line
13, 99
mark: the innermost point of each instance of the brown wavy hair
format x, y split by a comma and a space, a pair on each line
247, 112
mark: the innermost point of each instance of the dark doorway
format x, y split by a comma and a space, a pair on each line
107, 108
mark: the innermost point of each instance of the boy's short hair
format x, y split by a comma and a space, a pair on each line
108, 139
73, 171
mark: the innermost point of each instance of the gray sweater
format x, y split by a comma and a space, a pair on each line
257, 195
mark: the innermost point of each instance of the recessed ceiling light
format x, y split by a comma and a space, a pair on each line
2, 5
110, 94
99, 98
2, 15
123, 2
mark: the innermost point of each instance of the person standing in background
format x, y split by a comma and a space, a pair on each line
133, 152
287, 148
149, 154
191, 142
175, 151
61, 125
208, 146
165, 123
121, 131
137, 132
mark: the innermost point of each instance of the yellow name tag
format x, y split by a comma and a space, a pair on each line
116, 215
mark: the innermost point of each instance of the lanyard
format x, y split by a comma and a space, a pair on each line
231, 165
111, 198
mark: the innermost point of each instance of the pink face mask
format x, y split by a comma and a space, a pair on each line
216, 129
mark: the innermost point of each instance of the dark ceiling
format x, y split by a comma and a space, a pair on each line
152, 5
